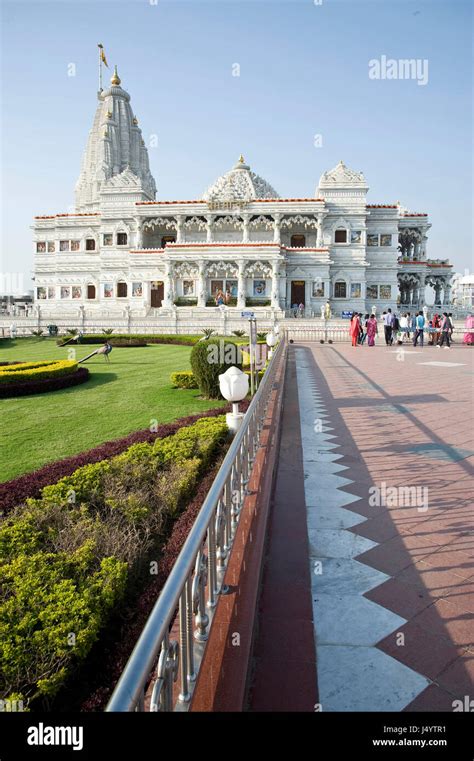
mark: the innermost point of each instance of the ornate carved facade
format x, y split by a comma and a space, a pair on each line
124, 251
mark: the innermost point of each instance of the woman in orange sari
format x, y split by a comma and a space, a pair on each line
354, 328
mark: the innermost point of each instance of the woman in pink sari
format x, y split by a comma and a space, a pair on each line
354, 328
372, 330
468, 337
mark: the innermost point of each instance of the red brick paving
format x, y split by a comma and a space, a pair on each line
284, 673
404, 423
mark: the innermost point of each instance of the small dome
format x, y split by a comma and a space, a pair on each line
239, 184
341, 175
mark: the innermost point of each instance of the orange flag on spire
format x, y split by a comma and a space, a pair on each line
102, 55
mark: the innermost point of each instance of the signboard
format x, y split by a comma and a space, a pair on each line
346, 314
248, 314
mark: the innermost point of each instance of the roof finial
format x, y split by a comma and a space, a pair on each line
241, 159
115, 80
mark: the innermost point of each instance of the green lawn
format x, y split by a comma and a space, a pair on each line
120, 397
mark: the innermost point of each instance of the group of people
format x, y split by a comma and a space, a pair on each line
297, 310
222, 298
362, 328
405, 328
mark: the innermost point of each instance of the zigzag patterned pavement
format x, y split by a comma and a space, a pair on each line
392, 583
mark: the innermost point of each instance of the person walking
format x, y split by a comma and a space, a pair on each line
451, 322
372, 330
387, 327
468, 337
419, 330
445, 331
404, 326
435, 329
354, 328
363, 325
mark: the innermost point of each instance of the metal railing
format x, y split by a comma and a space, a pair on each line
196, 579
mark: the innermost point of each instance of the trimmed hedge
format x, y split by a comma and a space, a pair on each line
44, 385
182, 340
185, 302
17, 490
125, 342
184, 379
249, 302
67, 558
211, 358
31, 371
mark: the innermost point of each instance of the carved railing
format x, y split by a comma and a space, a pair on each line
196, 580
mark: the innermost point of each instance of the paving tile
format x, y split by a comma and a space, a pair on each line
425, 651
458, 678
351, 620
446, 620
434, 698
364, 679
404, 599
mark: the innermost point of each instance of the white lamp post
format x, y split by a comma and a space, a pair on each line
234, 386
272, 340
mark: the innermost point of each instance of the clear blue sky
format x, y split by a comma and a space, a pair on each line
303, 71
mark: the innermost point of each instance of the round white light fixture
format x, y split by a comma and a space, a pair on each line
234, 386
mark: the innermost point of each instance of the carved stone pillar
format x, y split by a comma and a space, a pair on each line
447, 294
139, 243
275, 300
241, 285
168, 285
201, 288
276, 228
245, 234
319, 236
437, 290
209, 230
179, 228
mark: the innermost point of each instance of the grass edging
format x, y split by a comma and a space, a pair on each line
15, 491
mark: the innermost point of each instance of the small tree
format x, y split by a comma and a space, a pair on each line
209, 359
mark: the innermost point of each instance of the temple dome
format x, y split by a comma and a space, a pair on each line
239, 184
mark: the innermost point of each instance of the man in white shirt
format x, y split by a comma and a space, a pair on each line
387, 327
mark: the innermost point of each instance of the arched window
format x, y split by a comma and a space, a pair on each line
121, 290
340, 289
91, 291
298, 241
122, 239
340, 235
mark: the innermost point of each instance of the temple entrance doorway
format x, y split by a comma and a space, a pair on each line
298, 292
157, 293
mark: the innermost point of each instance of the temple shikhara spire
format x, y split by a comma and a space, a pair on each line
115, 161
239, 244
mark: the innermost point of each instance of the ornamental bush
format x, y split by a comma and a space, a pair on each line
43, 385
68, 557
183, 379
211, 358
27, 371
181, 340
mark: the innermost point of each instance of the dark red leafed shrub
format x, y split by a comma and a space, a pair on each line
15, 492
43, 385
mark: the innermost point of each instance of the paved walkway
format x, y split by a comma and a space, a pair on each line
388, 572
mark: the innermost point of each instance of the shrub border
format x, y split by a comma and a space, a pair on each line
41, 386
15, 491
